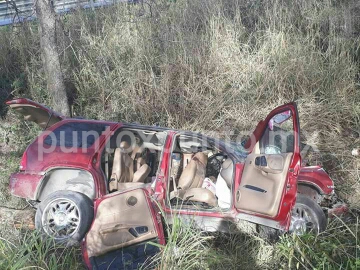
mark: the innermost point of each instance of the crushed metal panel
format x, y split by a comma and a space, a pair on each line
68, 179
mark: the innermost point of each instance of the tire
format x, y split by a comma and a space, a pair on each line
307, 217
69, 215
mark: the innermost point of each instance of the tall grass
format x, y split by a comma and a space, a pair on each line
30, 251
336, 248
209, 66
187, 247
214, 65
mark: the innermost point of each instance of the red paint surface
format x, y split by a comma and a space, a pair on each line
24, 184
316, 176
33, 162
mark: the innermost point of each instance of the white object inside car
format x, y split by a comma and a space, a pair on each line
223, 184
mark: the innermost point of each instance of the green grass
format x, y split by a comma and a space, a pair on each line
190, 248
335, 248
187, 247
15, 135
30, 251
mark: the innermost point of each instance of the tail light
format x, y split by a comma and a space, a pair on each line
23, 162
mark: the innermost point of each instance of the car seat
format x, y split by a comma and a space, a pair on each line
125, 170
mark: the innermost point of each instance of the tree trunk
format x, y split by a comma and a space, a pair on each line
55, 81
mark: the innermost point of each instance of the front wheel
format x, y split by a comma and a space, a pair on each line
307, 216
65, 216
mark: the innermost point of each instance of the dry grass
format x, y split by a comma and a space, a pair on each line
213, 66
223, 65
27, 250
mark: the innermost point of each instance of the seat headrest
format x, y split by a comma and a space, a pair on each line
124, 145
227, 169
200, 156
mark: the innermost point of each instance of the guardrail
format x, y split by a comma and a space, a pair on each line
16, 11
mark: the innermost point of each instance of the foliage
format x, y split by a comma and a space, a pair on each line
212, 66
31, 251
336, 248
187, 247
217, 66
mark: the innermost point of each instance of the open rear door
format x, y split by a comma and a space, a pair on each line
268, 183
123, 232
32, 111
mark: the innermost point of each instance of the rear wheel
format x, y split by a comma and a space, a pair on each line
65, 216
307, 216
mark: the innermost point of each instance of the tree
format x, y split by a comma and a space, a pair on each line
55, 81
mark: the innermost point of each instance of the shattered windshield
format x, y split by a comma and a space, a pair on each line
237, 149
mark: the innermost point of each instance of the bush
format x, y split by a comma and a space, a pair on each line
336, 248
208, 66
29, 250
215, 65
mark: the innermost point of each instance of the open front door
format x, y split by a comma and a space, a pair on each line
271, 168
124, 224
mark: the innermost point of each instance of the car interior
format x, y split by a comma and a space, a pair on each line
265, 172
201, 175
131, 158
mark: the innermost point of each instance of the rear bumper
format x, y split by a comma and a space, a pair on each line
24, 184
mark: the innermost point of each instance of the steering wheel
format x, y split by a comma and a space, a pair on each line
213, 166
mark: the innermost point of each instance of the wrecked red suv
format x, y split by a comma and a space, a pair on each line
103, 182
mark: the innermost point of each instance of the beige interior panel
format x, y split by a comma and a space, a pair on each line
200, 195
124, 186
37, 115
261, 188
114, 218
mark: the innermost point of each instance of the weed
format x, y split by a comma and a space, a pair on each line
214, 65
30, 250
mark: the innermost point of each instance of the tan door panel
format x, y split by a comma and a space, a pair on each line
261, 187
122, 220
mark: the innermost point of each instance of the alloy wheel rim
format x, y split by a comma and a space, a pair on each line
61, 218
303, 220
